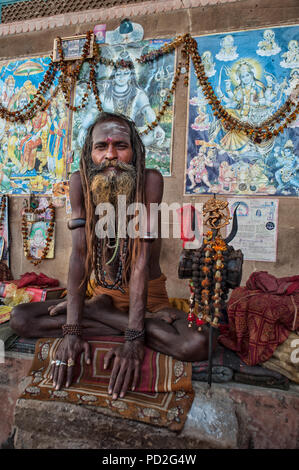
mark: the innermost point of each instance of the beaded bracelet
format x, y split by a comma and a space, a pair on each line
71, 330
131, 335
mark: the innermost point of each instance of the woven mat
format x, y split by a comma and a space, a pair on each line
163, 397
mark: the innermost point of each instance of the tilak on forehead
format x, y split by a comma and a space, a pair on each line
111, 128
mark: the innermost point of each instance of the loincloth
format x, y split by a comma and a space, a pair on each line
157, 298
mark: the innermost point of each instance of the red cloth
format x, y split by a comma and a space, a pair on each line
33, 279
265, 282
261, 316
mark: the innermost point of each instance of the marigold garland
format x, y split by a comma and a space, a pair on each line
49, 235
69, 75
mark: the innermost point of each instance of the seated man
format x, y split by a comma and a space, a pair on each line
129, 293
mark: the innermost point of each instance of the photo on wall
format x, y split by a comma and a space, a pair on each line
252, 73
38, 232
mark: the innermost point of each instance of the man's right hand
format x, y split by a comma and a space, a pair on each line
68, 351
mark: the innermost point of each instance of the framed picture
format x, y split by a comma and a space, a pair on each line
37, 239
72, 47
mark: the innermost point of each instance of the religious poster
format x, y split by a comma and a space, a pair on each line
252, 74
257, 228
138, 92
38, 232
33, 152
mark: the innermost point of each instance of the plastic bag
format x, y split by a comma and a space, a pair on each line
15, 296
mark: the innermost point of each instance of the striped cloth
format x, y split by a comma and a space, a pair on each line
163, 396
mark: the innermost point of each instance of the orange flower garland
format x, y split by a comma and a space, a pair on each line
268, 129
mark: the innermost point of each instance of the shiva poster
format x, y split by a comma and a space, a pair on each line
137, 92
33, 152
252, 73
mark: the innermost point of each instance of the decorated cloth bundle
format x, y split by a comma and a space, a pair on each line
261, 316
163, 396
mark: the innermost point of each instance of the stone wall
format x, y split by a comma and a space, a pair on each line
228, 416
159, 20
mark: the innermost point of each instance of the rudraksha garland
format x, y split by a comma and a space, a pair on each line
2, 211
100, 274
208, 290
208, 286
69, 76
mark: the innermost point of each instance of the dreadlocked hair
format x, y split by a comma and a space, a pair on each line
133, 247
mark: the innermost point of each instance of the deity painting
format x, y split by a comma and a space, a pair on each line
251, 87
137, 92
267, 46
37, 240
32, 153
228, 50
291, 56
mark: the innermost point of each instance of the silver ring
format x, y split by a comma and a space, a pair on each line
53, 362
62, 363
57, 362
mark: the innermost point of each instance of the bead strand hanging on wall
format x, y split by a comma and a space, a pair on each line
2, 211
69, 76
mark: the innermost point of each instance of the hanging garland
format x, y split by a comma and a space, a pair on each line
69, 76
2, 211
37, 103
268, 129
49, 234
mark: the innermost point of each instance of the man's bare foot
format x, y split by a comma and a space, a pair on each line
169, 316
57, 309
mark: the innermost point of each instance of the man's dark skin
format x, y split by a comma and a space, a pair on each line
167, 331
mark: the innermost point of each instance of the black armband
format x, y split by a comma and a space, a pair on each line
76, 223
149, 236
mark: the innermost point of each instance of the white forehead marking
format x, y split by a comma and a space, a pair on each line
112, 127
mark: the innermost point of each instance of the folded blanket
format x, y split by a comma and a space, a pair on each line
163, 396
220, 374
285, 359
227, 366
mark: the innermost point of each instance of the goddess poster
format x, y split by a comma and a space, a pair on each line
139, 93
32, 153
252, 73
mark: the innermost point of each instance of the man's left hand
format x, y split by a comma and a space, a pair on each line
128, 359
